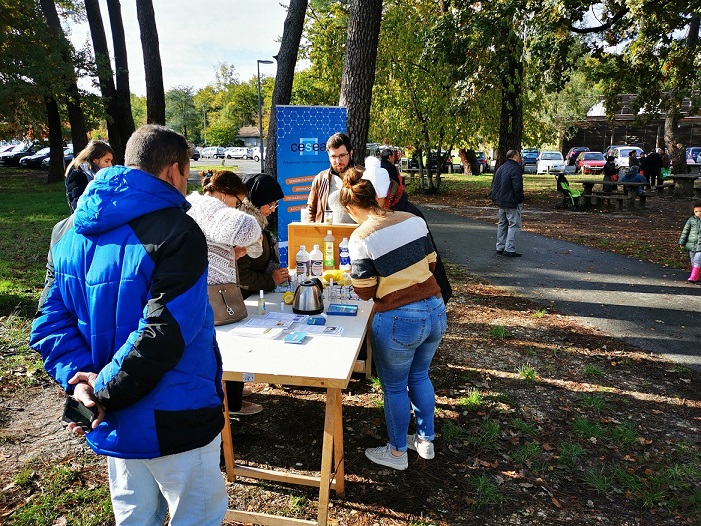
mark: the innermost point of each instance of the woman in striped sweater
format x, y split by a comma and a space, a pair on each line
392, 258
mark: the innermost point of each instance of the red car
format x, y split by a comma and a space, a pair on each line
590, 163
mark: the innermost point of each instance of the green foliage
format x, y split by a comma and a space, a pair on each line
593, 402
62, 498
592, 371
570, 453
582, 427
527, 452
527, 372
599, 479
528, 429
485, 492
181, 114
497, 332
472, 401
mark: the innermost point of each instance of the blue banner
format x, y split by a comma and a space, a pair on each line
302, 132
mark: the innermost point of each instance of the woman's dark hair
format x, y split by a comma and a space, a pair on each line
223, 181
358, 192
696, 204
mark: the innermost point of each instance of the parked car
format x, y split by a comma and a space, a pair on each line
34, 161
529, 156
255, 153
620, 154
67, 157
692, 155
238, 152
550, 162
590, 163
571, 156
195, 154
13, 156
213, 152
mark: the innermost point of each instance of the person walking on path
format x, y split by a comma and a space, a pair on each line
691, 240
392, 259
125, 326
507, 194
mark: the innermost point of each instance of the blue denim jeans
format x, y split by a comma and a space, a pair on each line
189, 485
404, 341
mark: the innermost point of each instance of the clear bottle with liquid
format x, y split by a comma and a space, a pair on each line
329, 251
261, 303
316, 259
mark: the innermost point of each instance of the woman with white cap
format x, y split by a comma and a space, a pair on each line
392, 259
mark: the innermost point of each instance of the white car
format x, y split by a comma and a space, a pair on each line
256, 153
550, 162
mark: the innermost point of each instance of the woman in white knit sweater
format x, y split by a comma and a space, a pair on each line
230, 233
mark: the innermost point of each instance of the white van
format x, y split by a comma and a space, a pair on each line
213, 152
238, 153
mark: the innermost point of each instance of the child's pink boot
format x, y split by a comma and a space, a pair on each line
695, 271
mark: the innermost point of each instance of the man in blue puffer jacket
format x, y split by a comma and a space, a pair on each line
124, 324
507, 194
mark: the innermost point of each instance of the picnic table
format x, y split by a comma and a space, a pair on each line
628, 198
684, 184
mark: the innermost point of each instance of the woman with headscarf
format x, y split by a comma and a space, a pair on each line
262, 272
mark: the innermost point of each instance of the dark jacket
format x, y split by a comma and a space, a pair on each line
652, 165
77, 179
126, 298
404, 205
507, 185
256, 273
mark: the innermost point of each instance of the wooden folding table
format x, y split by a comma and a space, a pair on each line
321, 361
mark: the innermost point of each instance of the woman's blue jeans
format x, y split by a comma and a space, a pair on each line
404, 341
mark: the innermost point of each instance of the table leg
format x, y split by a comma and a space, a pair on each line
368, 355
333, 406
227, 440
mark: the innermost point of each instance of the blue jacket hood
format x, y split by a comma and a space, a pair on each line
120, 194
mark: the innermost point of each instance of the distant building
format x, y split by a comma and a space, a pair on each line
598, 132
250, 135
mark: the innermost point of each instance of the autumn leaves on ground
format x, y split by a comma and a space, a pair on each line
540, 421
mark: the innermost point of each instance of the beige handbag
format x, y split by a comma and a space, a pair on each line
227, 303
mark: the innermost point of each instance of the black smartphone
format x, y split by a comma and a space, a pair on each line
78, 413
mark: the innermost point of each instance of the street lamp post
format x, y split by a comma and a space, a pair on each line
260, 115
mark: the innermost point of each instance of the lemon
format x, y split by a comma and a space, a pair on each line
287, 297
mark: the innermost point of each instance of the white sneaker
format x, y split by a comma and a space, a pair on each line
423, 447
383, 456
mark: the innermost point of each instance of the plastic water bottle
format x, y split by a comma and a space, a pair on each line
261, 303
303, 265
329, 252
344, 256
316, 258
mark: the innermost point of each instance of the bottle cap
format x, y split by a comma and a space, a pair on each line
328, 231
261, 294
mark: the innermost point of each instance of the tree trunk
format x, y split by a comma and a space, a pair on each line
511, 117
359, 70
675, 145
79, 135
104, 76
155, 94
286, 61
53, 119
125, 118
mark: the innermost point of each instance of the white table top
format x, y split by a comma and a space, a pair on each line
321, 361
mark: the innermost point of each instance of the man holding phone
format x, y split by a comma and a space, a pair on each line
124, 325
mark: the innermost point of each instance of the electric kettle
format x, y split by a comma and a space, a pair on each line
309, 297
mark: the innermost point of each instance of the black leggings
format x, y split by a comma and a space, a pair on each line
234, 395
